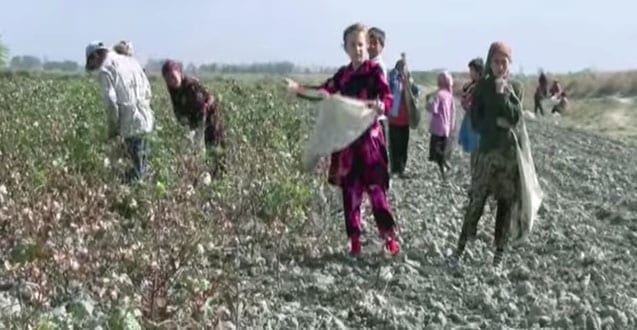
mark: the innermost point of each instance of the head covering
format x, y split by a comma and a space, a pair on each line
497, 47
124, 47
93, 47
169, 66
445, 80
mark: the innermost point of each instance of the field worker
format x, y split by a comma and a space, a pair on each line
468, 137
124, 48
497, 107
362, 166
562, 106
399, 117
197, 109
376, 47
442, 107
540, 94
127, 94
556, 89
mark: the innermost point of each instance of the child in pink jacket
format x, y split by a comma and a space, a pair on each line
442, 107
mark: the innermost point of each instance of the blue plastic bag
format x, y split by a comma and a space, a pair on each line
468, 138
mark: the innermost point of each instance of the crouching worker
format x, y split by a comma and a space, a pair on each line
197, 109
127, 94
496, 110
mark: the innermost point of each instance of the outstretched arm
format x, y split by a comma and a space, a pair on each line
331, 86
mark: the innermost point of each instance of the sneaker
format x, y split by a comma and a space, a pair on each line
355, 246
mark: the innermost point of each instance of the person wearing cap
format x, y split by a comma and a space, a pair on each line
127, 95
496, 111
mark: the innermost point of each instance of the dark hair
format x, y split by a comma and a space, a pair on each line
399, 64
377, 34
356, 27
477, 64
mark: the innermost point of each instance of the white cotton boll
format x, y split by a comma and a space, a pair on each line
206, 179
190, 190
107, 162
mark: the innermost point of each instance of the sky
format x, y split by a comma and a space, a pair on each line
558, 36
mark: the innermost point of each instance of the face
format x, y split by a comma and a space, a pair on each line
499, 65
173, 79
356, 47
375, 47
94, 61
475, 75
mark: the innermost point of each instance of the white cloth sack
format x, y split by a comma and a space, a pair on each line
341, 120
531, 194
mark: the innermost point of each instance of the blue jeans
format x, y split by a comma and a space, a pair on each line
138, 150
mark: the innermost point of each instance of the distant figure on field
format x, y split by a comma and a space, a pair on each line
556, 89
197, 109
468, 136
127, 94
541, 93
399, 117
562, 106
442, 107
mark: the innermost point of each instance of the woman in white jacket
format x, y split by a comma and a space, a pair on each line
127, 94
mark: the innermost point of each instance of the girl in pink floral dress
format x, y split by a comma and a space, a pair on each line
363, 166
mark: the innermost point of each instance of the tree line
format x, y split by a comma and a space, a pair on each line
29, 63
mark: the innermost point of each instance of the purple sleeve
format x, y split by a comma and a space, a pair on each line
332, 85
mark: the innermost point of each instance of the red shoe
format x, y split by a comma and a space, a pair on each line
355, 246
392, 246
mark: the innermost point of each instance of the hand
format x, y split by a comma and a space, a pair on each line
292, 85
501, 122
501, 85
377, 105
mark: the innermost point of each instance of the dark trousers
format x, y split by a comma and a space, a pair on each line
138, 151
398, 144
538, 107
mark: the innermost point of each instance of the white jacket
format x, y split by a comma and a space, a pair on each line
126, 91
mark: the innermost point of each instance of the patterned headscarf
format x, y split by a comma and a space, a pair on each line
497, 47
169, 66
